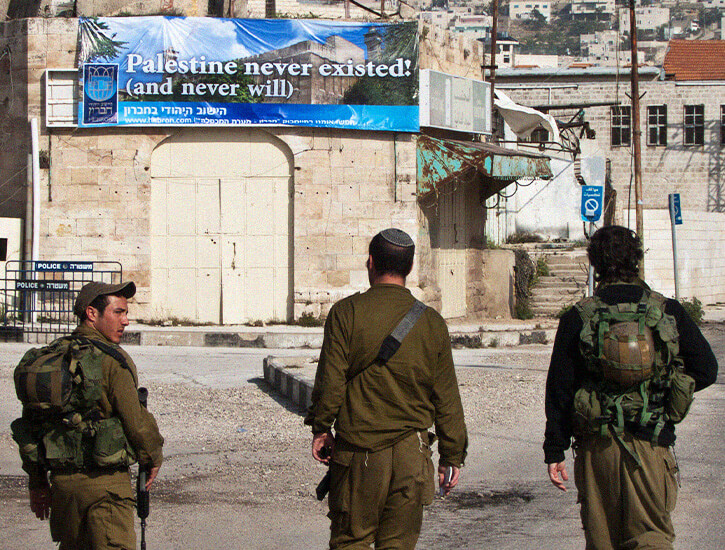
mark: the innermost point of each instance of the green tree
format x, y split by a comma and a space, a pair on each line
95, 44
396, 42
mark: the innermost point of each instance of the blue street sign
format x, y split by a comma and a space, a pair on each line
675, 210
592, 202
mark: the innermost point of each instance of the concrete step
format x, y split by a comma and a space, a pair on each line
548, 311
556, 298
567, 272
551, 282
566, 260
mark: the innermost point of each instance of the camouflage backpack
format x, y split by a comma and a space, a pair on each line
60, 386
631, 352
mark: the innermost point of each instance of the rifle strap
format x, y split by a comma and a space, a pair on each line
392, 342
108, 350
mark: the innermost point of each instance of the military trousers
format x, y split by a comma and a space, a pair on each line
378, 497
92, 510
625, 506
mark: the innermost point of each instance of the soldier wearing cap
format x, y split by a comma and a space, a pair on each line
381, 472
94, 507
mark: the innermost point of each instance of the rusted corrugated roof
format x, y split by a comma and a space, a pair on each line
695, 60
441, 162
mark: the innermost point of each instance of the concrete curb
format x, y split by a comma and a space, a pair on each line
292, 377
222, 338
286, 337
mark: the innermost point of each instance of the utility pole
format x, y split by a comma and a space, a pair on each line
636, 132
494, 35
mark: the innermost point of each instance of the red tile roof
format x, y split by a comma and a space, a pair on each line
695, 60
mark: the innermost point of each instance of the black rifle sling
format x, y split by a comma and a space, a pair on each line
108, 350
394, 339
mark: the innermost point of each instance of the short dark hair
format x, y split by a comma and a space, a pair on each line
99, 303
389, 258
615, 253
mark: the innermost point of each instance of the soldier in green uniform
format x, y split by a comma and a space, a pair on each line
381, 472
92, 507
623, 370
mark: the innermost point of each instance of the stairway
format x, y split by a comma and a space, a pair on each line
566, 282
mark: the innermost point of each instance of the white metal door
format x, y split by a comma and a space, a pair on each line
220, 224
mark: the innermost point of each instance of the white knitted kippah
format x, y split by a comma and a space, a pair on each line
397, 237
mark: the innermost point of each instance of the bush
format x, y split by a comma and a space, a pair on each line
524, 275
524, 237
309, 320
694, 309
542, 268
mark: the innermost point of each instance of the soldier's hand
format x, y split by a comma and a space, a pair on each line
153, 472
554, 469
40, 502
446, 487
326, 441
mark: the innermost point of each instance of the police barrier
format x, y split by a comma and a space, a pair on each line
37, 297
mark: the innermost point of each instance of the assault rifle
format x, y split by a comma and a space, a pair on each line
142, 494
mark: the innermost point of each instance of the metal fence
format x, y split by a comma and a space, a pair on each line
37, 297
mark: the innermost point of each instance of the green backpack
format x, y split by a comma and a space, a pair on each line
634, 370
61, 427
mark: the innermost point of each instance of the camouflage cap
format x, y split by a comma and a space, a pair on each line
397, 237
93, 290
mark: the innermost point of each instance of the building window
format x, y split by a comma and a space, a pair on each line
657, 125
722, 124
539, 135
621, 126
694, 124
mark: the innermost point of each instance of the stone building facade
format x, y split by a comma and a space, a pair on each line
167, 202
683, 151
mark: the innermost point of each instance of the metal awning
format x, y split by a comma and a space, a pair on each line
441, 162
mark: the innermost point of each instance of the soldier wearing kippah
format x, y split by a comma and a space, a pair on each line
381, 472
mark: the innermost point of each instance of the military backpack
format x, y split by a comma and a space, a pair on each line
61, 427
635, 373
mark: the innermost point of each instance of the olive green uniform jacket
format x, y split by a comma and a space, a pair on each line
94, 507
373, 406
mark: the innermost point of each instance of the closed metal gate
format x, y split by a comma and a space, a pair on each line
38, 296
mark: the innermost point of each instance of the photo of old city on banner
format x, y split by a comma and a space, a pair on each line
156, 71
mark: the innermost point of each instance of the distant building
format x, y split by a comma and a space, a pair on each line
646, 17
439, 18
592, 9
506, 50
524, 9
600, 45
474, 26
682, 114
536, 60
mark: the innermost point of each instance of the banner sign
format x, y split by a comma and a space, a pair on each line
158, 71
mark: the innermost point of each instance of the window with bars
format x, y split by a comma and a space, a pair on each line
722, 124
657, 125
621, 126
694, 124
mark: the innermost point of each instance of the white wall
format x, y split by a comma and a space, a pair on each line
11, 229
700, 254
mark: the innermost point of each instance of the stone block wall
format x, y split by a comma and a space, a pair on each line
700, 254
348, 186
443, 51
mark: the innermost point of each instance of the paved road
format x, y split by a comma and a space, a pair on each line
505, 500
